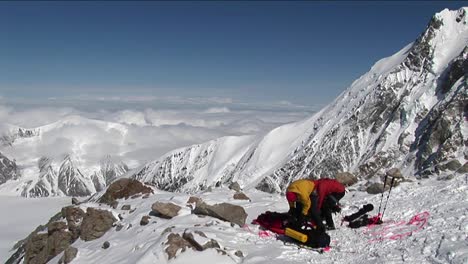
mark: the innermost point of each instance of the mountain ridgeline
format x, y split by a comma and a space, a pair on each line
409, 111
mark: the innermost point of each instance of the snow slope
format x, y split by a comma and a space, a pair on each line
443, 239
406, 112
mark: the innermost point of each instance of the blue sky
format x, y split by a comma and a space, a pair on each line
303, 52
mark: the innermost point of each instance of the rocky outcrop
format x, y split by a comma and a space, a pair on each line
74, 217
240, 196
145, 220
59, 238
68, 255
8, 169
235, 186
42, 246
96, 223
124, 188
165, 210
224, 211
177, 244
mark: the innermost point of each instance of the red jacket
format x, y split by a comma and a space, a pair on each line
326, 187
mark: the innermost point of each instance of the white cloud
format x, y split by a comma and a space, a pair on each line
214, 110
137, 136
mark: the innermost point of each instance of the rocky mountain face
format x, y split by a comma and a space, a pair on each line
10, 138
409, 112
65, 178
8, 169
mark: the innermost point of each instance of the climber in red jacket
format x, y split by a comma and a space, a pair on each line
329, 192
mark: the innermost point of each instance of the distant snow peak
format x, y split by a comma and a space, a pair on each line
57, 178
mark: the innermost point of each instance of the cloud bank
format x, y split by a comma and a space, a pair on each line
92, 129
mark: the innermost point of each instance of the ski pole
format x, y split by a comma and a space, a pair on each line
381, 197
388, 196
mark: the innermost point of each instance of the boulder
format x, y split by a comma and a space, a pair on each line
346, 178
224, 211
124, 188
165, 210
464, 168
375, 188
194, 200
126, 207
74, 216
197, 245
145, 220
240, 196
452, 165
175, 244
96, 223
75, 201
58, 238
235, 186
68, 255
394, 173
106, 245
36, 249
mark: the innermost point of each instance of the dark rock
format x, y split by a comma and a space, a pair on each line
375, 188
22, 245
241, 196
96, 223
464, 168
126, 207
114, 204
346, 178
124, 188
74, 217
36, 249
175, 243
239, 254
75, 201
118, 227
446, 177
145, 220
235, 186
195, 200
195, 244
68, 255
452, 165
106, 245
56, 226
224, 211
58, 241
165, 210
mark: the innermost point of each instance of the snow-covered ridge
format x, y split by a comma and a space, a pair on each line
55, 159
406, 112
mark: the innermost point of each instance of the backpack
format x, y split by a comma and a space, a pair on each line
315, 238
273, 221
